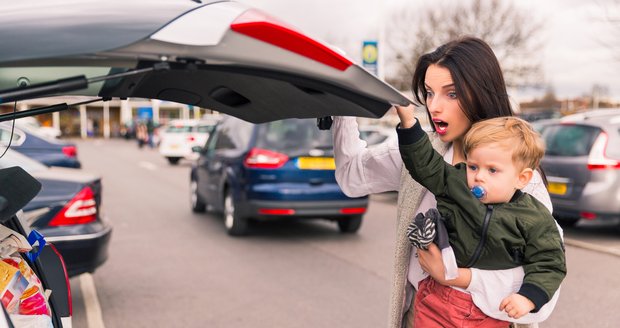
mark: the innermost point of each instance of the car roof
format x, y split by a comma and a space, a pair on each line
220, 55
595, 115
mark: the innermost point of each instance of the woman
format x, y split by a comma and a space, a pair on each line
460, 83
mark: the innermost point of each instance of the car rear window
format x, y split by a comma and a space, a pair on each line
293, 134
179, 129
569, 140
204, 128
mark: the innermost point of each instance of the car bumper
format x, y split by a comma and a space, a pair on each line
83, 252
307, 209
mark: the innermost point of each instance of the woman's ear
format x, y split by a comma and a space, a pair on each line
524, 178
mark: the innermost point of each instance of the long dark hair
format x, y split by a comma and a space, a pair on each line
477, 77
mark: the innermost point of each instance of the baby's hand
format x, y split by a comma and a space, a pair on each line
516, 306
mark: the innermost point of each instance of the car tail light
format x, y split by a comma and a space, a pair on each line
588, 215
79, 210
191, 138
276, 211
264, 159
597, 159
260, 26
70, 151
353, 210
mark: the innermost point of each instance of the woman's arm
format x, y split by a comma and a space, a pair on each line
359, 170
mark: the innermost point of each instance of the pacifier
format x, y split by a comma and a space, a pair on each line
478, 192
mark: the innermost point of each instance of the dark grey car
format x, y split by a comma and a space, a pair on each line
582, 164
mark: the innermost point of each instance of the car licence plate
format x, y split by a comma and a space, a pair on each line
316, 163
557, 188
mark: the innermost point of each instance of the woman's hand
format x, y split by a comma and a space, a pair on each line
407, 119
431, 261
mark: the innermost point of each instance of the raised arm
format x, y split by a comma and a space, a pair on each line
359, 170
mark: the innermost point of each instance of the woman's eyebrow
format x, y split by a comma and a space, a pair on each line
447, 86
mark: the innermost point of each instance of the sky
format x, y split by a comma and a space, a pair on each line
573, 57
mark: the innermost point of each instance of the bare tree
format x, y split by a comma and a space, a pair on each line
610, 14
511, 32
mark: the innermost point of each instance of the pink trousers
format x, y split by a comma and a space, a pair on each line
436, 305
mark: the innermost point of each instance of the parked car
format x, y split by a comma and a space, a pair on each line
51, 152
280, 169
67, 211
376, 135
582, 164
179, 136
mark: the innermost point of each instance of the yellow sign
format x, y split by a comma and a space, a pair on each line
370, 53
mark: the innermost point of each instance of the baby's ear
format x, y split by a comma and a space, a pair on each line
524, 178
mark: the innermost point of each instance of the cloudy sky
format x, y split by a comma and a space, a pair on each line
574, 57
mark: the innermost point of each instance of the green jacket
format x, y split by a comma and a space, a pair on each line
521, 232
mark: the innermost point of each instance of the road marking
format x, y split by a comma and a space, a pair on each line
147, 165
592, 247
91, 301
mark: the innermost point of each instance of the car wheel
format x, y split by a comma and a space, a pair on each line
173, 160
198, 205
235, 225
567, 221
350, 224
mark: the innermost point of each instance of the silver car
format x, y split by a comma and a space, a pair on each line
582, 164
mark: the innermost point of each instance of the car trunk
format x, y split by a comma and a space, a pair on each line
566, 159
308, 168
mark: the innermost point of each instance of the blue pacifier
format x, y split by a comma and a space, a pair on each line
479, 192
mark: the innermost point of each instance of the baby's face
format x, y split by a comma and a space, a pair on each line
491, 167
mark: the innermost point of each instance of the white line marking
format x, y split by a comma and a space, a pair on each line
91, 301
148, 165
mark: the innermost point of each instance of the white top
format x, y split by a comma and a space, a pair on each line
362, 171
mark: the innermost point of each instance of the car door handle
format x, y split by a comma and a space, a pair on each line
316, 181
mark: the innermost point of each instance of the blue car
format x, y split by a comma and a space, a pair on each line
280, 169
51, 152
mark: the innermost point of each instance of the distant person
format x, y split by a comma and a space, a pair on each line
484, 194
150, 130
95, 127
142, 135
459, 83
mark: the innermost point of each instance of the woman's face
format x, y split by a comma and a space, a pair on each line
443, 104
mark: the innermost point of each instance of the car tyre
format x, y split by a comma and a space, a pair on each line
198, 205
567, 222
235, 225
350, 224
173, 160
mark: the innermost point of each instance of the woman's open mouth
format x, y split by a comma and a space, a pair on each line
440, 126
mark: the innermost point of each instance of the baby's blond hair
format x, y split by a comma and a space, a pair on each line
511, 132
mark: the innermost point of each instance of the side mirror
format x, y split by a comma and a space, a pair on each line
197, 149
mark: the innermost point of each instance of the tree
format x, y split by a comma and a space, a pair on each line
511, 32
610, 14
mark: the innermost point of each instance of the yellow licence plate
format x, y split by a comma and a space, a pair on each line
557, 188
316, 163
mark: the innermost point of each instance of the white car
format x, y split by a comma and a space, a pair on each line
179, 137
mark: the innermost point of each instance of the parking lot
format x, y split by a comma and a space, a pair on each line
171, 267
